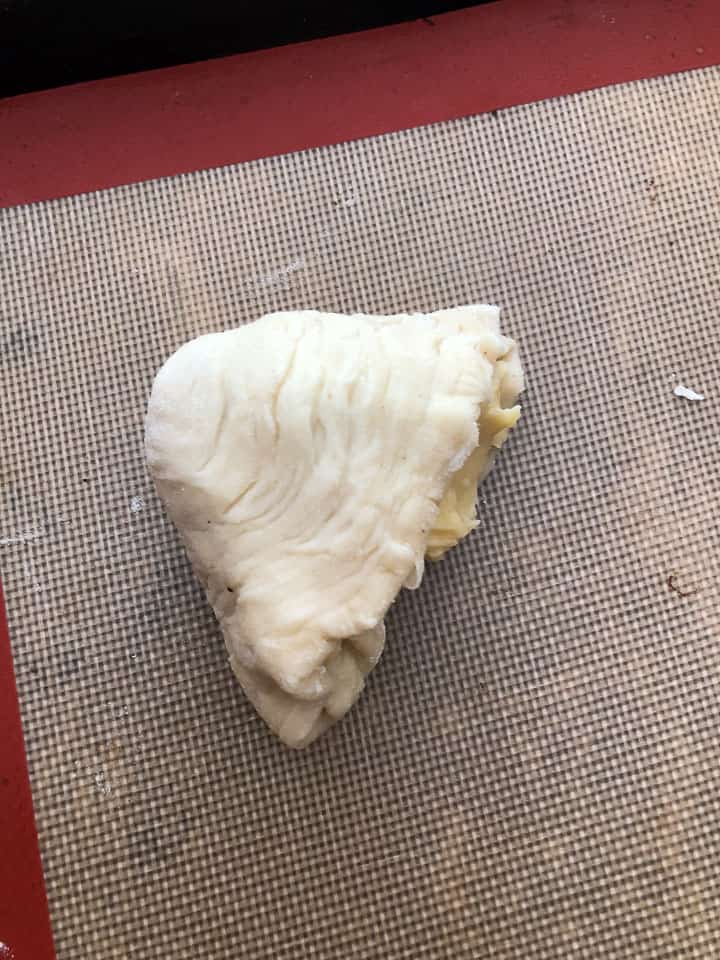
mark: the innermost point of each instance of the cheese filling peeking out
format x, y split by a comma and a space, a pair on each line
457, 513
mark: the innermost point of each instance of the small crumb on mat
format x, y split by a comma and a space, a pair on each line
687, 393
136, 504
676, 589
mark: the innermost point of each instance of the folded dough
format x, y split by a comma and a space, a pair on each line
311, 461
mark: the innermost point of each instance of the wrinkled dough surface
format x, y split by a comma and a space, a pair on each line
310, 462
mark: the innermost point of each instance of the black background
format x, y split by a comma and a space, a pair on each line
47, 43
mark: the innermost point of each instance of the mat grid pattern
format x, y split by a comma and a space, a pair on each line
534, 768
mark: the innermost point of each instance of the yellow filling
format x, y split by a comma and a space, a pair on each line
457, 512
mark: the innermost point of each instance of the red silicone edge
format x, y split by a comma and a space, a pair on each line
24, 918
166, 122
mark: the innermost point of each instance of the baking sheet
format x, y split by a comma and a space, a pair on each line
533, 769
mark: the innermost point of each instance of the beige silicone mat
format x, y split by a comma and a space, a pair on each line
534, 769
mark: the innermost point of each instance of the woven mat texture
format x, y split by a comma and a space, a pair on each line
534, 768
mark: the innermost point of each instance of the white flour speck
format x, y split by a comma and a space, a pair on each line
136, 504
349, 201
687, 393
102, 784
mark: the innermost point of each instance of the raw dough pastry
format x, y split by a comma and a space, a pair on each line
311, 462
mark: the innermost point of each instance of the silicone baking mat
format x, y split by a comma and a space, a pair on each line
533, 770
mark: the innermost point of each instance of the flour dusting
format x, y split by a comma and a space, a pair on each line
23, 536
281, 277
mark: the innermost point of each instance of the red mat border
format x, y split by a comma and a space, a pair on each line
24, 918
160, 123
